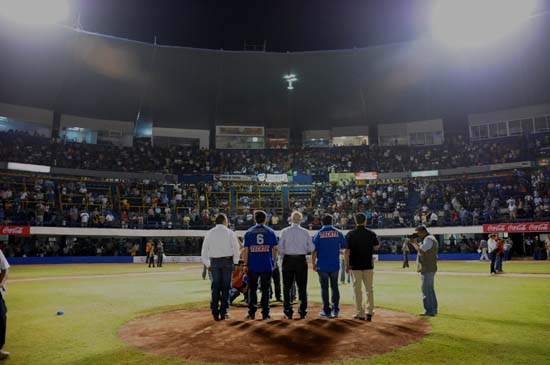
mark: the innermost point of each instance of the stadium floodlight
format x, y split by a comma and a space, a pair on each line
477, 23
34, 12
290, 78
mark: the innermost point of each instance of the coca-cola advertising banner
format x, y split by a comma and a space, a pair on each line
15, 230
517, 227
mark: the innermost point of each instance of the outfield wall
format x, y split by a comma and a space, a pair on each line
192, 259
158, 233
116, 232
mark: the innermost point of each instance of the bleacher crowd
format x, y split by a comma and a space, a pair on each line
512, 196
143, 156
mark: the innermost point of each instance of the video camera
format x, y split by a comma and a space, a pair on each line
412, 236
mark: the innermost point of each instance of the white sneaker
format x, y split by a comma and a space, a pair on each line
4, 355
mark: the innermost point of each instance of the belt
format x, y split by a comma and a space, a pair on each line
225, 257
295, 256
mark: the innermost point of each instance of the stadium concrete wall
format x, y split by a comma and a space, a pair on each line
192, 259
116, 232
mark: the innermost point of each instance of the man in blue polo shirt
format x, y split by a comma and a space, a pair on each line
326, 261
260, 255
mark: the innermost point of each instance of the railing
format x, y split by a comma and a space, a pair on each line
213, 199
303, 198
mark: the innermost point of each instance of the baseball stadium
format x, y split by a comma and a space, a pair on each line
274, 182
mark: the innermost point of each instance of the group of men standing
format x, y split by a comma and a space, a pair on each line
262, 249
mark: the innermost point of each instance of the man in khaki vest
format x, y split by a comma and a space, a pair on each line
426, 265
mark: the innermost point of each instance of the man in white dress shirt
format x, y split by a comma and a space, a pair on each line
4, 266
220, 252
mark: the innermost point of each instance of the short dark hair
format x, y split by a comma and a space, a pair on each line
260, 216
360, 218
327, 220
421, 228
221, 218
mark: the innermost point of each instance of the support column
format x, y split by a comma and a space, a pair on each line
56, 124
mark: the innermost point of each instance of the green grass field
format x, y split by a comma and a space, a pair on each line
483, 319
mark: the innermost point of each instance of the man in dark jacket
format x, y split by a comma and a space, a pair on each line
359, 260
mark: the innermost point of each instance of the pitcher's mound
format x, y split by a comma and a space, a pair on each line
194, 335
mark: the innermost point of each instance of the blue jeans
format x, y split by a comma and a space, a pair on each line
343, 272
498, 263
324, 278
428, 292
221, 270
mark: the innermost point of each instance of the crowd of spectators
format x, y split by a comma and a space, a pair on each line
523, 195
143, 156
385, 205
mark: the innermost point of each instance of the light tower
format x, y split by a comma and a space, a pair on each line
290, 79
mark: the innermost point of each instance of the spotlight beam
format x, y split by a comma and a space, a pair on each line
478, 23
34, 12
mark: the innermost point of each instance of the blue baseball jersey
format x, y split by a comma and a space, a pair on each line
260, 241
328, 243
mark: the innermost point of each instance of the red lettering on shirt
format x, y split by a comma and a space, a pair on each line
328, 234
260, 248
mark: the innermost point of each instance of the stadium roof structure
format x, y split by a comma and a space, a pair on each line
91, 75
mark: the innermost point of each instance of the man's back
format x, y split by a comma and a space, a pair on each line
260, 240
361, 243
295, 240
328, 242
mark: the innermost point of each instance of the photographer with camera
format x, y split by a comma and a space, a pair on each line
426, 265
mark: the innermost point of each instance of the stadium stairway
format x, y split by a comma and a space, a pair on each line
116, 197
413, 202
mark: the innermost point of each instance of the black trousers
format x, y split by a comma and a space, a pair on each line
405, 259
276, 283
295, 269
265, 285
3, 322
160, 257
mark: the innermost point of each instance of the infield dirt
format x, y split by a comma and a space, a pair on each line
194, 335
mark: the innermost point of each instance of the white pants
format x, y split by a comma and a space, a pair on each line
484, 256
360, 278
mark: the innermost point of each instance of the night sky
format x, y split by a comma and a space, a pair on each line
286, 25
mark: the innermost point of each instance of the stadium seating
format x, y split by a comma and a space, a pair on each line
520, 195
20, 147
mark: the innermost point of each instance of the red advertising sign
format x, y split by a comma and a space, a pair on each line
15, 230
370, 175
517, 227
